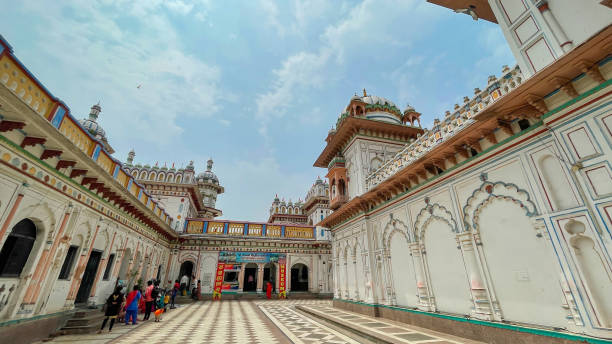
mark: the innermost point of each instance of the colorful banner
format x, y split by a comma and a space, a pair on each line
218, 281
282, 283
250, 257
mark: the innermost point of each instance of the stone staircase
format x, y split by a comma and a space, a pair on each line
83, 321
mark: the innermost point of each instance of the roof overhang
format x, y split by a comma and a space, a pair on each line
351, 127
481, 7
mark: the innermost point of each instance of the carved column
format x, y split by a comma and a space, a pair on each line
388, 278
480, 295
423, 294
336, 286
260, 275
241, 278
356, 296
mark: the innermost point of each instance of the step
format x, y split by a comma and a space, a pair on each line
346, 325
97, 318
79, 329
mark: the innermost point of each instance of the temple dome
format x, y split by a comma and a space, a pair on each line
91, 125
208, 175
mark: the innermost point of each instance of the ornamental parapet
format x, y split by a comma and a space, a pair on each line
241, 229
453, 123
105, 177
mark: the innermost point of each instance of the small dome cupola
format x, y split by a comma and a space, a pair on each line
94, 128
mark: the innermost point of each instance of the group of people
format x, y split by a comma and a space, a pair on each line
125, 307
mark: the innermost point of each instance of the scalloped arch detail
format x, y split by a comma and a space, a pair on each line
488, 192
434, 212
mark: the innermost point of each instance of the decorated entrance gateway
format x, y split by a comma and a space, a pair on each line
240, 258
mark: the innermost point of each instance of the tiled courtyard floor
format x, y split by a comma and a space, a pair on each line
255, 322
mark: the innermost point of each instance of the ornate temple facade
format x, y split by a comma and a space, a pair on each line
75, 221
180, 191
501, 213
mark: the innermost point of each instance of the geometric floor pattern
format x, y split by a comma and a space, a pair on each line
209, 322
399, 332
257, 322
301, 329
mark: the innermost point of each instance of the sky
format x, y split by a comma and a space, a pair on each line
255, 85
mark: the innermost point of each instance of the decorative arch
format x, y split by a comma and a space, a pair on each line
170, 177
152, 175
433, 212
178, 178
488, 192
143, 175
161, 177
396, 226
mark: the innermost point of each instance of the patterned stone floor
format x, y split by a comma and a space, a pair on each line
397, 332
256, 322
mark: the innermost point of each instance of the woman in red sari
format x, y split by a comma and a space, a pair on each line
268, 290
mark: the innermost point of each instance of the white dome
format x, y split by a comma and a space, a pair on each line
93, 127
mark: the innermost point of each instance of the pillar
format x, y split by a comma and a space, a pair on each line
241, 278
480, 295
425, 298
260, 275
556, 29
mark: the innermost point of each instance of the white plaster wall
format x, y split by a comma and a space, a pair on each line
446, 269
403, 273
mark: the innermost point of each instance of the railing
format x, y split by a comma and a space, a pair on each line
452, 124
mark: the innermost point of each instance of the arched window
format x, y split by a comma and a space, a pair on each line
161, 177
178, 178
16, 249
169, 178
143, 175
152, 176
341, 187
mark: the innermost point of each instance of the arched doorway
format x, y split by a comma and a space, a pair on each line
89, 276
299, 277
250, 277
269, 276
185, 270
16, 249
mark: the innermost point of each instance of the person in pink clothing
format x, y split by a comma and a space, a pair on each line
148, 297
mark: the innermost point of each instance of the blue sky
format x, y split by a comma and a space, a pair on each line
255, 85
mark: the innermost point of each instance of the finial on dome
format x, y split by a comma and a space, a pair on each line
209, 164
364, 93
95, 111
131, 156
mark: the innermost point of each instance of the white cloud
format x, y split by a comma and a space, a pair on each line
109, 59
369, 28
179, 6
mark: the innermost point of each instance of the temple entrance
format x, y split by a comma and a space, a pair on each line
89, 277
250, 277
299, 277
185, 270
269, 276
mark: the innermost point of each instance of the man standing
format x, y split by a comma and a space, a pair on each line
148, 300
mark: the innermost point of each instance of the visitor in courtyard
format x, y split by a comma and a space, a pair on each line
268, 290
175, 291
131, 305
184, 284
113, 306
156, 295
199, 290
148, 297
